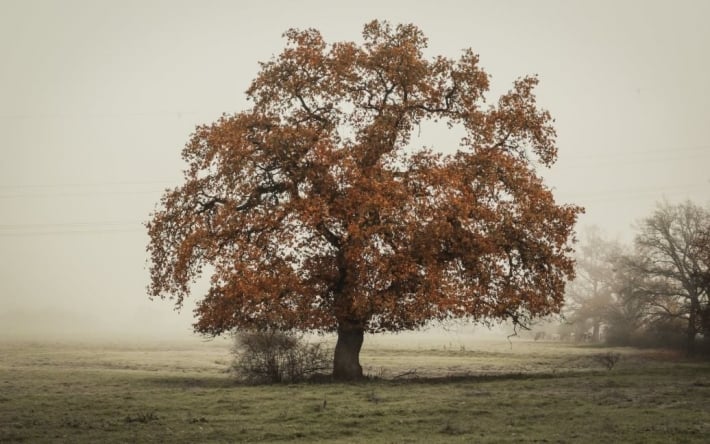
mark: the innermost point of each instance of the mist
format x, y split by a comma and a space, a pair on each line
98, 98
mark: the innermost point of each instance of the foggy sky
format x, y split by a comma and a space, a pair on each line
97, 99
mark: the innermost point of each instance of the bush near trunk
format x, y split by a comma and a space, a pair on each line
274, 356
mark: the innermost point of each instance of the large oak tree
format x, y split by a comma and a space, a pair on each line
312, 210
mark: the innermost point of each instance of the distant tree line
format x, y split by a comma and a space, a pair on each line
653, 293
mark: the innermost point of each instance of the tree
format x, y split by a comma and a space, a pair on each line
673, 250
627, 314
702, 245
313, 211
590, 295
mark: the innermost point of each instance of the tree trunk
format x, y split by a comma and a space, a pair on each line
690, 347
595, 331
346, 363
692, 326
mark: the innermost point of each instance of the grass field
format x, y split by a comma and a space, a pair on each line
532, 392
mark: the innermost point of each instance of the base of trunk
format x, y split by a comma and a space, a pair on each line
690, 344
692, 330
346, 363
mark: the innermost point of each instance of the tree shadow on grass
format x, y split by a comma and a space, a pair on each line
478, 378
190, 382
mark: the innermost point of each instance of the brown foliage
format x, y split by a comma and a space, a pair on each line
312, 209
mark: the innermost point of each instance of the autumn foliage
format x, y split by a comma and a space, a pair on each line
314, 210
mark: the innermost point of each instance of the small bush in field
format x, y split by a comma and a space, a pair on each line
608, 360
143, 417
275, 356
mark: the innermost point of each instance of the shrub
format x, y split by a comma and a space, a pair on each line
275, 356
608, 360
656, 332
143, 417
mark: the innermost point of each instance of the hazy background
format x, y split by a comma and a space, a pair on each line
97, 99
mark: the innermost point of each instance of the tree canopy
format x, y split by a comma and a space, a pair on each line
314, 210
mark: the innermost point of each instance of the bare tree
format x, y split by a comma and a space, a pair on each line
627, 314
672, 255
703, 246
589, 296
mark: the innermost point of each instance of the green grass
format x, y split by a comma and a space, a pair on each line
534, 392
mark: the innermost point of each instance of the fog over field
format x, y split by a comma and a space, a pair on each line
97, 99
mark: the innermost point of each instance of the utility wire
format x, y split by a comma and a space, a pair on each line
615, 192
57, 116
613, 196
80, 189
68, 232
625, 163
69, 224
14, 230
86, 184
669, 150
76, 194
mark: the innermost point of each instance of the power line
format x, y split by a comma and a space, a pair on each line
70, 228
626, 163
77, 194
87, 184
75, 228
667, 150
58, 116
82, 189
68, 232
633, 190
68, 224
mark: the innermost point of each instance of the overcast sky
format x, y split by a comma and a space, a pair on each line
97, 99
